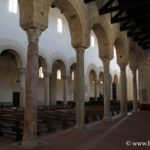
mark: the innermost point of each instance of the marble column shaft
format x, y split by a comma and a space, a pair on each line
135, 103
74, 87
65, 89
31, 99
47, 98
79, 88
22, 86
107, 112
95, 89
123, 96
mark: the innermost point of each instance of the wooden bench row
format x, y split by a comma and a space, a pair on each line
49, 120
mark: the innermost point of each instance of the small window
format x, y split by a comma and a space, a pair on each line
41, 74
92, 41
72, 75
59, 25
13, 6
58, 74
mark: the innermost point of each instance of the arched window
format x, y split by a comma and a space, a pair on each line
41, 75
13, 6
59, 25
58, 74
72, 75
92, 41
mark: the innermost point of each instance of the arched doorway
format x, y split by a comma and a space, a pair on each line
10, 66
114, 87
92, 85
59, 74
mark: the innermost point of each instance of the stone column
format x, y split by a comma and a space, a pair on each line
123, 89
74, 87
30, 111
79, 88
111, 91
53, 83
22, 86
47, 98
95, 89
65, 90
135, 102
50, 88
107, 112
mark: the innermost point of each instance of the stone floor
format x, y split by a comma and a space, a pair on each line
120, 134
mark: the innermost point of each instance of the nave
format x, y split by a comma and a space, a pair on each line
115, 135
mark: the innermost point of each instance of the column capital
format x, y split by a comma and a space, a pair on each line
65, 77
122, 66
22, 70
106, 61
97, 82
80, 49
134, 69
33, 34
46, 74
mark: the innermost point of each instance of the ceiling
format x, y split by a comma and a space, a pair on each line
133, 16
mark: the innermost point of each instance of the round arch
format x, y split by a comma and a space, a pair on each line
92, 67
17, 56
45, 60
104, 44
70, 64
12, 77
59, 64
74, 14
57, 56
58, 83
121, 49
16, 49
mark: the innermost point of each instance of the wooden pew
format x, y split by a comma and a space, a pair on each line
93, 113
11, 123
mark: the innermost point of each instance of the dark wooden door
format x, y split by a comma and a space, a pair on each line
16, 99
114, 91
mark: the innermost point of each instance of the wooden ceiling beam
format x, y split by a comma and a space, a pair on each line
142, 36
108, 8
88, 1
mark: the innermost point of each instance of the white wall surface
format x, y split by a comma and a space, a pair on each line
51, 44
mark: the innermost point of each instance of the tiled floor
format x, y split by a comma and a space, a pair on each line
99, 136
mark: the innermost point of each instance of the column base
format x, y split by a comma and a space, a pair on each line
30, 144
108, 119
135, 110
123, 115
79, 128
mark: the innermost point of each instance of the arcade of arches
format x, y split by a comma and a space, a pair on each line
64, 54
